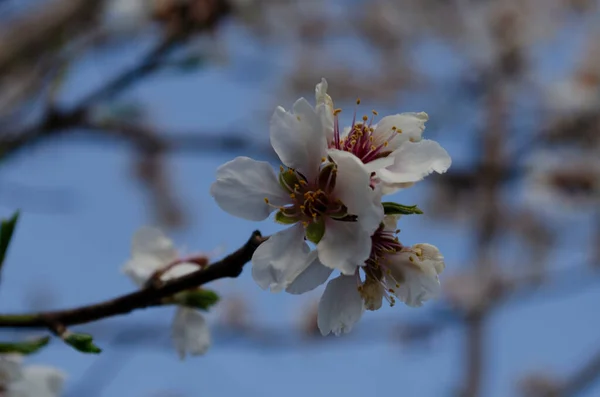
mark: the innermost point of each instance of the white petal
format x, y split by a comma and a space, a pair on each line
353, 189
340, 307
243, 184
279, 260
180, 270
414, 161
412, 126
298, 138
190, 332
10, 368
325, 109
390, 222
418, 280
39, 381
150, 241
151, 250
313, 276
344, 246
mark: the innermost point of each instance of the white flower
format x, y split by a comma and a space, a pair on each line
29, 381
152, 252
326, 196
393, 271
393, 148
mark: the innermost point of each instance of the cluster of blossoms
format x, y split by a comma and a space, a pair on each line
17, 380
329, 190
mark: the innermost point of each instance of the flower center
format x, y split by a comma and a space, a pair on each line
312, 201
377, 270
361, 139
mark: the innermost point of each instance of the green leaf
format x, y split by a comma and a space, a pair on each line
82, 342
25, 347
6, 232
399, 209
201, 299
315, 231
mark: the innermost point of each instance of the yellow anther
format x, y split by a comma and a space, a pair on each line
394, 128
412, 140
385, 144
391, 290
365, 118
373, 147
358, 101
302, 208
353, 142
411, 258
371, 138
397, 285
281, 168
375, 112
305, 224
298, 117
337, 111
266, 200
303, 182
296, 186
399, 131
323, 159
293, 195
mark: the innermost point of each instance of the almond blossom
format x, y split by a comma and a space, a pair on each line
325, 195
152, 253
392, 271
393, 148
29, 381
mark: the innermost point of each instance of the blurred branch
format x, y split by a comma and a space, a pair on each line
582, 379
230, 266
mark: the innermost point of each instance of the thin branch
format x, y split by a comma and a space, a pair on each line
582, 379
231, 266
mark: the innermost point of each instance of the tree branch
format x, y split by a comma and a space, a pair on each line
230, 266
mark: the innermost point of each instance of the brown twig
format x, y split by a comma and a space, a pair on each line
230, 266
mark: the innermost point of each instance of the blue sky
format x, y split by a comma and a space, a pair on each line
77, 254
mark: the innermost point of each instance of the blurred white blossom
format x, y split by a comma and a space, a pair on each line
29, 381
153, 252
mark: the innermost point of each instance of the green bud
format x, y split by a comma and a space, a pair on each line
285, 219
201, 299
25, 347
390, 208
82, 342
315, 231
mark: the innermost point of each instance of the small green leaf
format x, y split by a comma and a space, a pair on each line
315, 231
201, 299
25, 347
399, 209
6, 232
82, 342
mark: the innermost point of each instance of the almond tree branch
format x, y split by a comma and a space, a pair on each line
230, 266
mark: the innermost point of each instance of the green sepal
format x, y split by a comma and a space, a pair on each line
390, 208
82, 342
315, 231
6, 231
281, 217
25, 347
201, 299
288, 179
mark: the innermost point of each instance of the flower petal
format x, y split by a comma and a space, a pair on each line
414, 161
151, 250
325, 109
180, 270
313, 276
418, 279
298, 138
354, 189
190, 332
39, 381
345, 246
243, 184
279, 260
409, 127
340, 307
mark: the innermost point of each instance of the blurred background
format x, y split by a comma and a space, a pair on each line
116, 113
